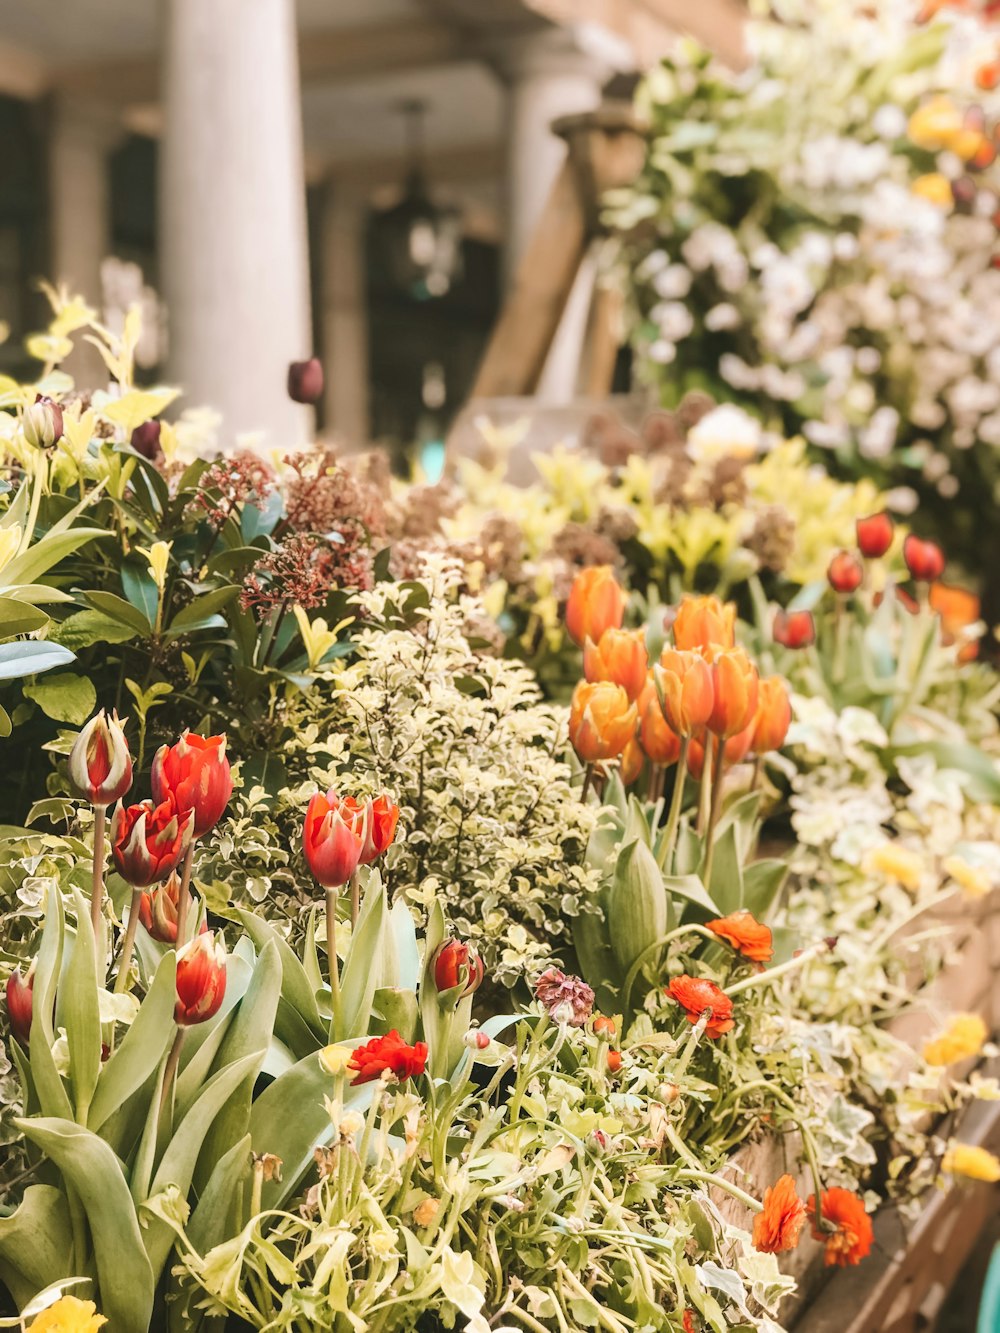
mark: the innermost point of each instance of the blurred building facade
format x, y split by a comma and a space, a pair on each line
228, 163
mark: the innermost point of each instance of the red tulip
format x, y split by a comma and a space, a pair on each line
201, 980
381, 817
458, 964
149, 841
158, 912
19, 1003
195, 771
794, 629
845, 572
924, 560
100, 766
874, 535
305, 380
333, 837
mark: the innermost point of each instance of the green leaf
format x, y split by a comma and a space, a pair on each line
207, 604
295, 987
691, 888
6, 725
30, 657
637, 903
86, 628
65, 697
726, 888
119, 610
80, 1013
208, 622
362, 965
142, 1048
140, 589
980, 767
18, 617
124, 1276
223, 1203
762, 881
36, 1243
48, 551
46, 1077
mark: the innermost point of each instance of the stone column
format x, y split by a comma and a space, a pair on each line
345, 313
233, 231
82, 136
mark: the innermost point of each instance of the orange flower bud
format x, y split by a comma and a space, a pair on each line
703, 623
734, 679
596, 603
632, 760
620, 657
661, 744
959, 611
684, 687
614, 1059
601, 720
773, 716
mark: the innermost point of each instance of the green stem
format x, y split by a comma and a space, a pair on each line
331, 955
184, 896
170, 1070
676, 801
839, 639
708, 1178
355, 899
773, 973
97, 882
129, 942
716, 806
588, 779
650, 949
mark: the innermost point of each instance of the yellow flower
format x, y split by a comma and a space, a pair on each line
963, 1037
936, 124
975, 880
963, 1159
158, 559
894, 862
335, 1059
69, 1315
935, 188
317, 637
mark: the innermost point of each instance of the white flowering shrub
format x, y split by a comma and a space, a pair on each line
815, 238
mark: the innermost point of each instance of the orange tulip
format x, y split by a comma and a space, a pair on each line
601, 720
596, 603
703, 623
632, 760
958, 609
620, 657
684, 686
773, 716
661, 744
734, 751
735, 682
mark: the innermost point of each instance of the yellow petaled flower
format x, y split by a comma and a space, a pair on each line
936, 124
894, 862
69, 1315
335, 1059
975, 880
317, 637
158, 558
962, 1159
963, 1037
935, 188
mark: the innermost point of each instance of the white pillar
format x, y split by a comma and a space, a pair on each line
345, 314
81, 139
233, 214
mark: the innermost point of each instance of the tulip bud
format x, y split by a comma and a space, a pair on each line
631, 762
146, 439
875, 535
458, 964
196, 773
734, 751
845, 572
333, 838
42, 423
735, 685
924, 560
619, 657
794, 629
685, 689
201, 980
19, 1003
381, 817
476, 1040
305, 381
661, 744
704, 623
596, 603
149, 841
601, 720
158, 911
773, 716
100, 766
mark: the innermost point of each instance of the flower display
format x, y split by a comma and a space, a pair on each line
746, 935
388, 1055
851, 1236
684, 685
333, 837
699, 996
735, 684
100, 765
196, 773
149, 841
201, 980
596, 603
602, 720
777, 1227
704, 623
619, 657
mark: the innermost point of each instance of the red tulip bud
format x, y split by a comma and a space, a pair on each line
201, 980
458, 964
924, 560
875, 535
100, 766
794, 629
333, 837
196, 773
305, 381
845, 572
381, 817
149, 841
19, 1003
158, 911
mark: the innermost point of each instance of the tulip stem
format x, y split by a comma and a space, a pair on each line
334, 965
588, 778
184, 896
758, 772
713, 814
97, 887
704, 792
355, 899
129, 942
674, 817
170, 1069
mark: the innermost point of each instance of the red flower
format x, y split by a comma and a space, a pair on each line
698, 996
777, 1228
381, 817
333, 837
853, 1237
19, 1003
794, 629
874, 535
100, 766
388, 1053
149, 841
201, 980
845, 572
924, 560
196, 773
688, 1321
158, 912
746, 934
614, 1059
458, 964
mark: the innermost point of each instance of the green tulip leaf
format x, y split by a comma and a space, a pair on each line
36, 1243
80, 1012
295, 987
362, 966
143, 1047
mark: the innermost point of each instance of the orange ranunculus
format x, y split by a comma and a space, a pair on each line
735, 685
631, 762
853, 1237
958, 609
746, 934
773, 716
697, 995
777, 1227
601, 720
596, 603
661, 744
734, 751
704, 623
684, 687
620, 656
